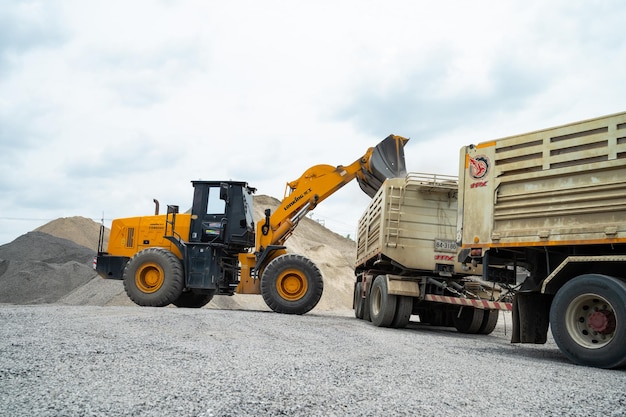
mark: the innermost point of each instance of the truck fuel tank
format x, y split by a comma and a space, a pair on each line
386, 160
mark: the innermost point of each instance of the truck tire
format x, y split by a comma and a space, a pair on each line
190, 299
588, 321
435, 316
291, 284
366, 305
468, 320
382, 304
153, 277
404, 309
359, 302
490, 320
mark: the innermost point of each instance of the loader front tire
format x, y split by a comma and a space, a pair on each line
153, 277
291, 284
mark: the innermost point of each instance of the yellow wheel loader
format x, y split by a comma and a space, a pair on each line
186, 258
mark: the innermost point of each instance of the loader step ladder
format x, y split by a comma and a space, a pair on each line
394, 204
170, 224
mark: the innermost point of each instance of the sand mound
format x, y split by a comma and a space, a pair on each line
53, 264
79, 230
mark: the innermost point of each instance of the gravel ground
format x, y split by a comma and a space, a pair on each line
130, 361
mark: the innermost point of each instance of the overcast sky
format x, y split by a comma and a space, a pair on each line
105, 105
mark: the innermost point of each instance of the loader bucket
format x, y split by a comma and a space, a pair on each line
385, 161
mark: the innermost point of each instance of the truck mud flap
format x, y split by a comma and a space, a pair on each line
530, 318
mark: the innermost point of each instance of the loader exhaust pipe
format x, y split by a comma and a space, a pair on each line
385, 161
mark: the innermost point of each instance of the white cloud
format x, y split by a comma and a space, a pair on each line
106, 105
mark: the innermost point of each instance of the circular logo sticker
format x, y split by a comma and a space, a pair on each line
478, 167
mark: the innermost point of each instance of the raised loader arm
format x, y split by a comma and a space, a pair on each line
385, 160
291, 283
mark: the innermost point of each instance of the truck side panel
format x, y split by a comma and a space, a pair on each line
560, 186
413, 222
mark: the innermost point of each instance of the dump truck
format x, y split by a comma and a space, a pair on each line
541, 221
216, 248
406, 260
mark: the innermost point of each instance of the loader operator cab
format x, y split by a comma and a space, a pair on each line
221, 214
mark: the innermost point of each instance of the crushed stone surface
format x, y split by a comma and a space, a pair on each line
94, 353
132, 361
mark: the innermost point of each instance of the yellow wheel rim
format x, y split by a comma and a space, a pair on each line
292, 285
149, 277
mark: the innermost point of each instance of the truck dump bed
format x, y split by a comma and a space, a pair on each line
411, 221
559, 186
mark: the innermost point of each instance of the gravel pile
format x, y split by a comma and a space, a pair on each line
39, 246
132, 361
41, 268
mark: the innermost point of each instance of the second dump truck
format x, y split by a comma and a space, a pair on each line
535, 224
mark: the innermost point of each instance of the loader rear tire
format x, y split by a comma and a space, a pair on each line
469, 320
382, 304
291, 284
153, 277
190, 299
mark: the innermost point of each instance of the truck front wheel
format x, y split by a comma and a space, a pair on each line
153, 277
291, 284
588, 320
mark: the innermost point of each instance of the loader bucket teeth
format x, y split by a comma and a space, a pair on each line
385, 161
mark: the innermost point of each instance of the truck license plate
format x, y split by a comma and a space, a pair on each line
442, 245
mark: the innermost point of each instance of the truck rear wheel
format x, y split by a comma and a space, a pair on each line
404, 308
190, 299
291, 284
359, 301
468, 320
153, 277
382, 304
490, 320
366, 303
588, 320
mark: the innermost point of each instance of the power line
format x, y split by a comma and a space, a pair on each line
30, 219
